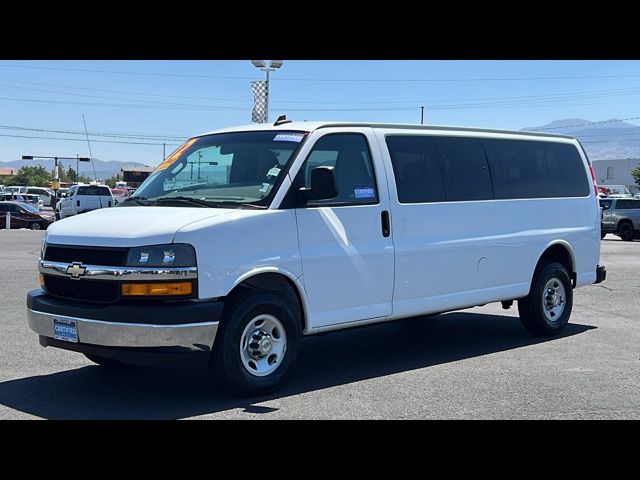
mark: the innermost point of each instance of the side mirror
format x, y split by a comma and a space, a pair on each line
323, 185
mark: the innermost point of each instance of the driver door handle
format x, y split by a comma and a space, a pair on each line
386, 224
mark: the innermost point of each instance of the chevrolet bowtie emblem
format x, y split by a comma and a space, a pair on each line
76, 270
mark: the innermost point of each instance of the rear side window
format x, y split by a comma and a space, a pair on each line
464, 168
606, 204
533, 169
94, 190
627, 204
416, 169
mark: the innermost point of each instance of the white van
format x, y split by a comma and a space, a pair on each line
245, 239
84, 198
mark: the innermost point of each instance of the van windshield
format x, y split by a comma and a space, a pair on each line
239, 169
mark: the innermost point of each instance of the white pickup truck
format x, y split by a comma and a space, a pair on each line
84, 198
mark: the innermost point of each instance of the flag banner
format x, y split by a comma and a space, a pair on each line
259, 113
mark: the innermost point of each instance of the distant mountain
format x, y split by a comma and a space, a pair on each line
104, 169
602, 141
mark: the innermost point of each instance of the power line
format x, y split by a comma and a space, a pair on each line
84, 140
630, 90
114, 135
303, 79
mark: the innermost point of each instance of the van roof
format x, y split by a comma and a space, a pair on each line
314, 125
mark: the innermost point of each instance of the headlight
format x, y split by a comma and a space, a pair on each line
172, 255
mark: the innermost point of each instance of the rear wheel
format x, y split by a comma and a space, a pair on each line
625, 231
256, 345
602, 235
547, 308
36, 226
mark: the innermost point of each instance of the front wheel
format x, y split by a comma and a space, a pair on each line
547, 308
256, 345
36, 226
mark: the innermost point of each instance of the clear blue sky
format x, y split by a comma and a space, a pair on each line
185, 98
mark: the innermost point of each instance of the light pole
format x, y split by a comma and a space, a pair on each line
262, 65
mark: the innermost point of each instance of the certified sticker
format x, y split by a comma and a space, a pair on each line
289, 137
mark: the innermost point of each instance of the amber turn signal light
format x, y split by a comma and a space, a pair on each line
42, 280
156, 289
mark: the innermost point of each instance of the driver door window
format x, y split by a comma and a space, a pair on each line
349, 155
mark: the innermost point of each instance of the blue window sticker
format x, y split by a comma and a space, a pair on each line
364, 192
273, 172
289, 137
264, 187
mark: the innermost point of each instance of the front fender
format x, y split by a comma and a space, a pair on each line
234, 247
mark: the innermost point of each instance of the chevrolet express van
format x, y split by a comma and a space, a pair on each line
245, 239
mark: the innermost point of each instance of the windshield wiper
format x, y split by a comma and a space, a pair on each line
228, 203
189, 200
138, 200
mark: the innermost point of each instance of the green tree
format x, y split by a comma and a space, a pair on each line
635, 173
111, 182
36, 176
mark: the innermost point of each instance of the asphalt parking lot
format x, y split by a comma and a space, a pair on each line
473, 364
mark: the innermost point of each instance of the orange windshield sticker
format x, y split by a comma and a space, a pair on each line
175, 155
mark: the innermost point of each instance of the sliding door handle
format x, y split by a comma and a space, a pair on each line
386, 224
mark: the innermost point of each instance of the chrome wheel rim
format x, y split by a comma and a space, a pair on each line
554, 299
35, 226
263, 345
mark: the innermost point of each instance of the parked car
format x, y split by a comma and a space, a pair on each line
85, 198
246, 239
16, 189
621, 216
22, 197
46, 195
24, 215
120, 194
636, 195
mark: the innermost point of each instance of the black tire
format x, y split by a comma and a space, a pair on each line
37, 226
104, 361
625, 231
226, 359
530, 308
602, 235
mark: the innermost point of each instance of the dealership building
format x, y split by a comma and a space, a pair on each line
616, 172
134, 176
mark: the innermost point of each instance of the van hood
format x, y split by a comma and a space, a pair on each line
131, 226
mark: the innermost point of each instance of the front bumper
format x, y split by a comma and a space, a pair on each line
154, 328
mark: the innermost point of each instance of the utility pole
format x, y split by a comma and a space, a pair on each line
164, 155
421, 115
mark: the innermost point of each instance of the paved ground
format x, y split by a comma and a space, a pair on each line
478, 363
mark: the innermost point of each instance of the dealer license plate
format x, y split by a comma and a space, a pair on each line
65, 330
